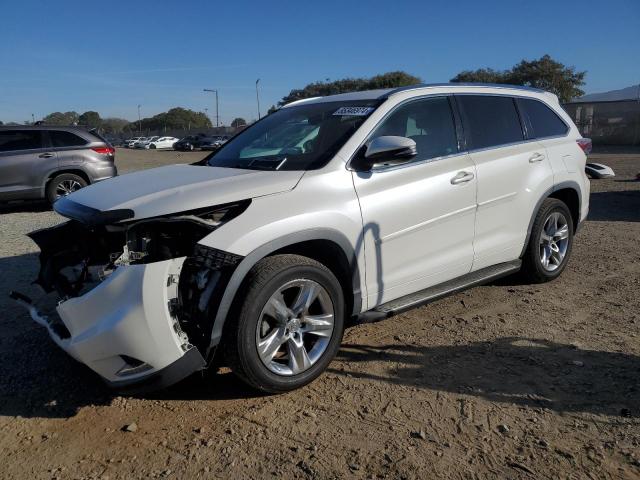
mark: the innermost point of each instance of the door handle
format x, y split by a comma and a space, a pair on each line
462, 177
46, 155
536, 157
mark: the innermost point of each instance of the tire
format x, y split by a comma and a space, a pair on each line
66, 182
257, 321
555, 247
152, 147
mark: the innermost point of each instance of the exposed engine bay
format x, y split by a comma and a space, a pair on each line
76, 257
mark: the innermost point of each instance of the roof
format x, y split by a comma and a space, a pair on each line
382, 94
47, 127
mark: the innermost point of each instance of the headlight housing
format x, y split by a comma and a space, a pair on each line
162, 238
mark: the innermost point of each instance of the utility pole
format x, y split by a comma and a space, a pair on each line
33, 119
258, 98
139, 128
211, 90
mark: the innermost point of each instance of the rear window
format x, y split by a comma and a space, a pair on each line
542, 121
12, 140
490, 121
66, 139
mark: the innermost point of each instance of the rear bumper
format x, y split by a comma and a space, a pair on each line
101, 172
124, 330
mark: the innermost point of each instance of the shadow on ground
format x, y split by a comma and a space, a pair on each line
621, 206
528, 372
30, 206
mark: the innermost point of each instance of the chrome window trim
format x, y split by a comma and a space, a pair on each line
460, 152
526, 140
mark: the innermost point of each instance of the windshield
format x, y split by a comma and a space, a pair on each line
303, 137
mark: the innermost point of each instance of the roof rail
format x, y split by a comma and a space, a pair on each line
462, 84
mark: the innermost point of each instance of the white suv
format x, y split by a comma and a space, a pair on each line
357, 205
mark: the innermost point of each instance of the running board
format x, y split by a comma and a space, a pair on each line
436, 292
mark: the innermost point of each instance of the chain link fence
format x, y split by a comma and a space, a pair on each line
607, 123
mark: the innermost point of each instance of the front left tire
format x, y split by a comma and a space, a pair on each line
288, 326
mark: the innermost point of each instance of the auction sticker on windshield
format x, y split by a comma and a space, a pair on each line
354, 111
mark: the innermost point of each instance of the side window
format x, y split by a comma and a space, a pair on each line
429, 122
543, 121
490, 121
12, 140
65, 139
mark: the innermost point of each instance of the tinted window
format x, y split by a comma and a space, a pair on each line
489, 121
543, 121
66, 139
11, 140
429, 122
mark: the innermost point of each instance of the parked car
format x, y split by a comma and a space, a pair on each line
359, 205
189, 143
134, 141
213, 143
144, 143
50, 162
161, 143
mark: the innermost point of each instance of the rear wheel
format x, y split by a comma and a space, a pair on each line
550, 242
289, 326
63, 185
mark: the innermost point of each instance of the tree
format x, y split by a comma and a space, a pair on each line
548, 74
238, 122
114, 125
321, 89
482, 75
1, 122
176, 118
272, 109
59, 118
90, 119
544, 73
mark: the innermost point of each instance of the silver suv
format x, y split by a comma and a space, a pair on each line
45, 162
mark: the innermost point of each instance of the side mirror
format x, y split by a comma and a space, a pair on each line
386, 149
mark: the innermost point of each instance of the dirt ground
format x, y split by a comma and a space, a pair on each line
502, 381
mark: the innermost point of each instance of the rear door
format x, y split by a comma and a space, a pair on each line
418, 217
25, 160
68, 147
546, 127
513, 174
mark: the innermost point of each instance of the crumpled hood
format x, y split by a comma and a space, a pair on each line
177, 188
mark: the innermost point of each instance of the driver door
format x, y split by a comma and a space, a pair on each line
418, 217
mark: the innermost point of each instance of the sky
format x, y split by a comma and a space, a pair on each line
113, 56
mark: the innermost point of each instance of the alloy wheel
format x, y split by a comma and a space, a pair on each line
66, 187
295, 327
554, 241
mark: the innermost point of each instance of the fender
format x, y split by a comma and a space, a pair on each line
560, 186
265, 250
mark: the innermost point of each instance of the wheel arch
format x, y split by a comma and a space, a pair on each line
62, 171
568, 192
327, 246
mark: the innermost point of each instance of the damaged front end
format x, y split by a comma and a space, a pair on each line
136, 299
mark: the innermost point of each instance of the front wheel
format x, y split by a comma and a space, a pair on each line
550, 242
289, 325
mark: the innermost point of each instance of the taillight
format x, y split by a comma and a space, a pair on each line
104, 150
585, 144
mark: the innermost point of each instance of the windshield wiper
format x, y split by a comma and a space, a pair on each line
267, 163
